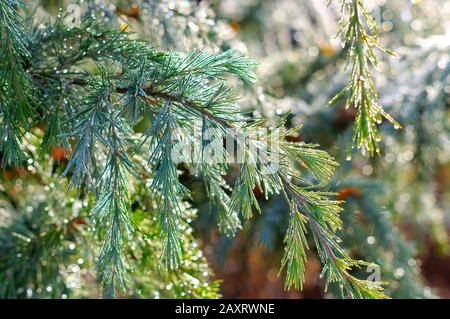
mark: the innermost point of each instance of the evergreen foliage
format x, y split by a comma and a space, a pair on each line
91, 84
49, 244
13, 82
359, 31
396, 204
94, 118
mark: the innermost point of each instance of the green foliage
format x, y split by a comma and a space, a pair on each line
296, 244
394, 223
48, 242
95, 85
358, 29
14, 81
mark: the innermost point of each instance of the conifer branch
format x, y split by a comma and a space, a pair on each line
359, 30
111, 82
14, 81
308, 206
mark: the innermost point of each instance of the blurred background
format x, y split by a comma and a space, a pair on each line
397, 205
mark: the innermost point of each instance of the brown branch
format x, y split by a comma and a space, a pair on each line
167, 96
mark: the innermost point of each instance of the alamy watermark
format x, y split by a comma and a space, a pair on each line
375, 273
215, 145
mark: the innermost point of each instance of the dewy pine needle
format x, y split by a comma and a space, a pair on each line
96, 114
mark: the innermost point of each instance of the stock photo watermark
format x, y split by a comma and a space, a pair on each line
375, 273
216, 145
73, 13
